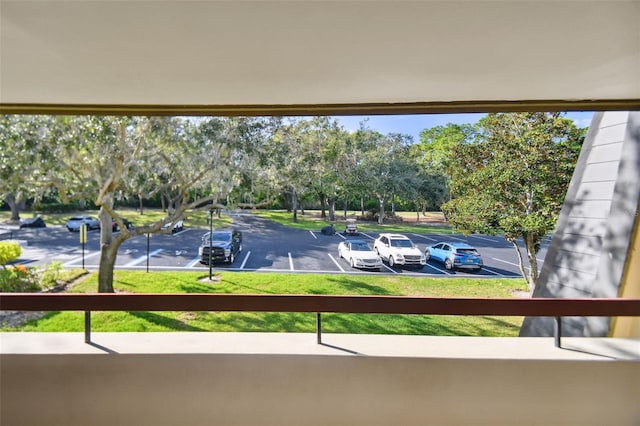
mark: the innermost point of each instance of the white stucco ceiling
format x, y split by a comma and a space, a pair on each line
316, 52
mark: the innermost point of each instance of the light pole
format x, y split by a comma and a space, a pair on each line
210, 243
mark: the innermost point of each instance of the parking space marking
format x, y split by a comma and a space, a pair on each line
484, 238
244, 262
389, 268
422, 236
484, 268
79, 259
341, 236
193, 262
457, 238
290, 262
336, 262
367, 235
313, 235
438, 269
143, 258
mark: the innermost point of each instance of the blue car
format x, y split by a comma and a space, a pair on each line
455, 256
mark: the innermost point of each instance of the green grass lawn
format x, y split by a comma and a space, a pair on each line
311, 221
273, 283
192, 219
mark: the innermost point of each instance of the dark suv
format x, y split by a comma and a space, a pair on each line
223, 246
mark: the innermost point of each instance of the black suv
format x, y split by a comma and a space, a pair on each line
226, 246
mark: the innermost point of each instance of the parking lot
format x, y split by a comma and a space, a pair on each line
267, 247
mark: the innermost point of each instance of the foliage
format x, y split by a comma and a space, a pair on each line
513, 178
50, 275
274, 283
18, 279
9, 252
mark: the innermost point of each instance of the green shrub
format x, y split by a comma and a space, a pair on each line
49, 277
54, 207
18, 279
9, 252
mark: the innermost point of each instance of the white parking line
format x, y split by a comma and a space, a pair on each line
367, 235
509, 263
483, 238
143, 258
336, 262
78, 259
395, 272
438, 269
456, 238
193, 262
290, 262
484, 268
313, 235
244, 262
341, 236
422, 236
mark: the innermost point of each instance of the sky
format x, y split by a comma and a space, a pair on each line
414, 124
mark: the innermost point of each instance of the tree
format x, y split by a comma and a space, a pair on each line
104, 157
513, 179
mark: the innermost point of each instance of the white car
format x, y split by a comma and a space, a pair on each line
397, 249
177, 227
359, 254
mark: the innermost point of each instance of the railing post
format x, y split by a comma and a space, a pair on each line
557, 331
87, 326
319, 327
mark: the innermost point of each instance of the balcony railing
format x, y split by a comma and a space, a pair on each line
544, 307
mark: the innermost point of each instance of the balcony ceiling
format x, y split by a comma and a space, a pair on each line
202, 53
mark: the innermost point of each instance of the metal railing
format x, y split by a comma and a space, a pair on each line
543, 307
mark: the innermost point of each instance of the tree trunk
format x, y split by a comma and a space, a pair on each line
141, 206
108, 251
323, 205
523, 271
332, 209
381, 212
362, 206
294, 205
162, 203
346, 204
393, 203
14, 205
530, 245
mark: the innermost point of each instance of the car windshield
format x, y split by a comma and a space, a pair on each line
77, 218
217, 236
401, 243
360, 247
469, 251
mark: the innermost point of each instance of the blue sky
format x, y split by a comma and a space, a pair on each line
414, 124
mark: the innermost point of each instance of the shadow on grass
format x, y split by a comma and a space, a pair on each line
164, 321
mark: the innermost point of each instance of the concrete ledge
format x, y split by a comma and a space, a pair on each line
333, 344
287, 379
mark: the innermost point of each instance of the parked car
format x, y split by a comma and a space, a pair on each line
359, 254
36, 222
397, 249
455, 256
74, 223
175, 227
221, 246
351, 228
114, 224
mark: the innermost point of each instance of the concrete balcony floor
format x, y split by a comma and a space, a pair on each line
519, 348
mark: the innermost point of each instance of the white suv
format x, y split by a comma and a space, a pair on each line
397, 249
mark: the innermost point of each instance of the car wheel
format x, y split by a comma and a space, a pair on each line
427, 255
391, 261
339, 254
353, 265
231, 258
448, 265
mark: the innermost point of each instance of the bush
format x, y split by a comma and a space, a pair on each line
9, 251
18, 279
49, 277
54, 207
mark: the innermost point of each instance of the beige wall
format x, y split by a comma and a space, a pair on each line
231, 389
630, 288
